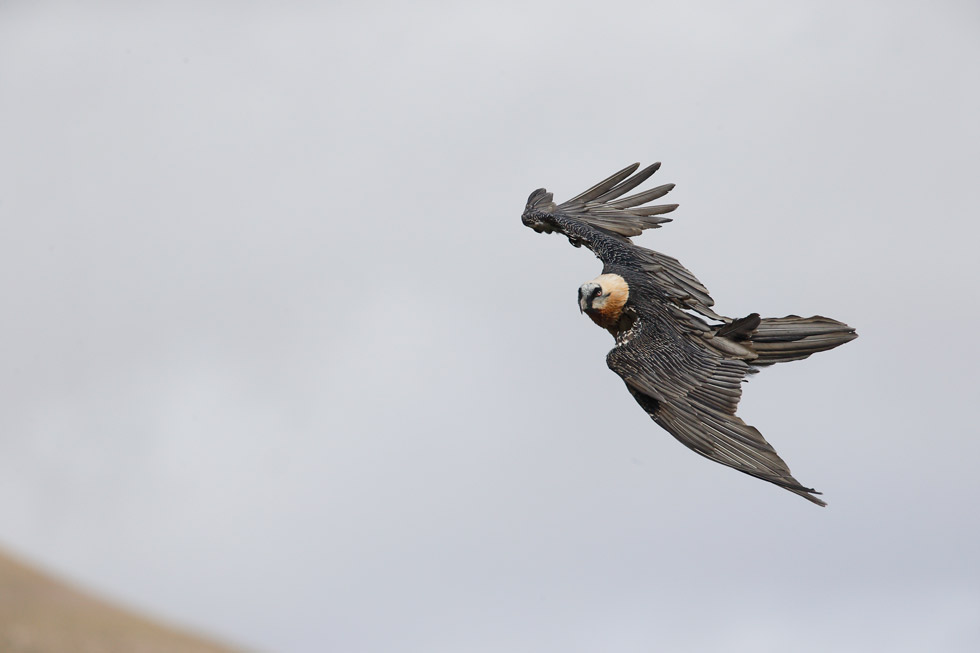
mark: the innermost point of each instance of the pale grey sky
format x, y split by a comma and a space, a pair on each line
281, 363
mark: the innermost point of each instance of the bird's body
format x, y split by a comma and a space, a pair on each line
681, 361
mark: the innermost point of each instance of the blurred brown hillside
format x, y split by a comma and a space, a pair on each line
39, 614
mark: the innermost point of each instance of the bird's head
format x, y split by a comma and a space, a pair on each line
602, 299
590, 296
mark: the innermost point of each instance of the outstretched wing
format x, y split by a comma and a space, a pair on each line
693, 392
598, 219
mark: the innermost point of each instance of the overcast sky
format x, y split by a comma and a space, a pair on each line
281, 363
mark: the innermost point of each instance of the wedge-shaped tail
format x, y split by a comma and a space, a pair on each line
792, 338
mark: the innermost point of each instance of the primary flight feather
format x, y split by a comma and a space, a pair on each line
685, 371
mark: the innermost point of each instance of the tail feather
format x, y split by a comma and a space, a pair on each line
792, 338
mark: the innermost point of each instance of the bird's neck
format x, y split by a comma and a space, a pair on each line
616, 324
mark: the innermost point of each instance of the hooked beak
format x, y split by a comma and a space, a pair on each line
586, 293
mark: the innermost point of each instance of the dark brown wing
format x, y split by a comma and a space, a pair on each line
693, 392
598, 219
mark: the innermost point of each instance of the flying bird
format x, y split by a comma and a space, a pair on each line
682, 362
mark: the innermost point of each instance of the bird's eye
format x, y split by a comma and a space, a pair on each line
597, 292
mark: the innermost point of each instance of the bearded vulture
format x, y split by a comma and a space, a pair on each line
682, 362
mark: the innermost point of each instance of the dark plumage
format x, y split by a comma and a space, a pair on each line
686, 371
